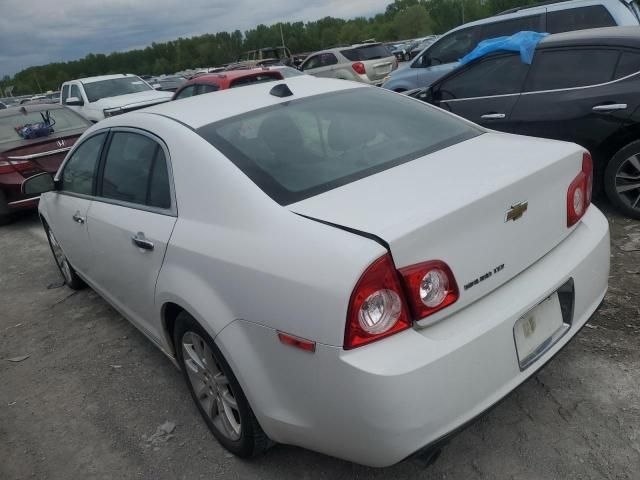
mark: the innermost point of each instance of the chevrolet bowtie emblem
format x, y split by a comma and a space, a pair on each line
516, 211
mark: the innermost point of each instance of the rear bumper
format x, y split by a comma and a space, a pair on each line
380, 403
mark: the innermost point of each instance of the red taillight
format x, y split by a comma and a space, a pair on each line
13, 166
579, 193
377, 307
358, 67
430, 287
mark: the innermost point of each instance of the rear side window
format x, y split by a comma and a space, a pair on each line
80, 170
135, 171
629, 63
594, 16
367, 52
571, 68
493, 76
509, 27
239, 82
208, 88
305, 147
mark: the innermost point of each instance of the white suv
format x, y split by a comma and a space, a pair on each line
368, 62
99, 97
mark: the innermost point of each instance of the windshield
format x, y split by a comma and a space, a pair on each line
305, 147
368, 52
62, 120
114, 87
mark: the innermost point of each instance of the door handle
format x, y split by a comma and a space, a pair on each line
139, 240
78, 219
610, 107
493, 116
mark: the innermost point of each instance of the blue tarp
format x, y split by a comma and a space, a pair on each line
523, 42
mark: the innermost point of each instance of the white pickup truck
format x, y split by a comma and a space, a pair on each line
100, 97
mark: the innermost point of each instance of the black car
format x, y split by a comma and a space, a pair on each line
582, 87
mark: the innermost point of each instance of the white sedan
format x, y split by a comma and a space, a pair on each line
332, 265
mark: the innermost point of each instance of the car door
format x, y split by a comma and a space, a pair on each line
570, 95
323, 65
70, 203
131, 221
485, 91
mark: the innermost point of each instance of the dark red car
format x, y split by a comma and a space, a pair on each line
26, 150
229, 79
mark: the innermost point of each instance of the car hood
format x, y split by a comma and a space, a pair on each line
140, 98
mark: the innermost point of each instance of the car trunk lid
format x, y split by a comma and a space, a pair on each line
489, 207
39, 154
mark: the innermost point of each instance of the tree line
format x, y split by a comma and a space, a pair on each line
402, 19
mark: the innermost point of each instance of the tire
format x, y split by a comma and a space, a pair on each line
69, 275
5, 219
5, 216
213, 387
622, 180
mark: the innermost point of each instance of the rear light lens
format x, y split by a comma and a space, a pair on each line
13, 166
358, 67
580, 191
430, 287
377, 307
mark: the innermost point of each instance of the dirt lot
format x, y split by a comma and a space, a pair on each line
89, 399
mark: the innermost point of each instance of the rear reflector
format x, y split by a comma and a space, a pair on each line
579, 192
301, 343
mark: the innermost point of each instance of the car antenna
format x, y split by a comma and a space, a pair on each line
281, 90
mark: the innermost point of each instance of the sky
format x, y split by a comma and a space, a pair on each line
37, 32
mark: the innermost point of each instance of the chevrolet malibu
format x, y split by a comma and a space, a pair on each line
332, 265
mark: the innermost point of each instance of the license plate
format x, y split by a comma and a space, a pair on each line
537, 330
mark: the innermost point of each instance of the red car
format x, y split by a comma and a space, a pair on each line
33, 139
223, 80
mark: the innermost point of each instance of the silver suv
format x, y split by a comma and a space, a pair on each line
368, 62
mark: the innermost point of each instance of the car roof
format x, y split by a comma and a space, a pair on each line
34, 107
607, 36
201, 110
100, 78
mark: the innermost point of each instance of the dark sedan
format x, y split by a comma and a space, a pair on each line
34, 139
582, 87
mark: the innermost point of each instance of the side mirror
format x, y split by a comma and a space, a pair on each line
74, 102
38, 184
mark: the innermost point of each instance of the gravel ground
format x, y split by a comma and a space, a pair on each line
95, 399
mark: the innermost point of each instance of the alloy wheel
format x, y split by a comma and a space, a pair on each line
211, 386
60, 258
628, 181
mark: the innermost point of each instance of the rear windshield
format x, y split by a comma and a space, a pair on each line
368, 52
263, 77
302, 148
114, 87
62, 120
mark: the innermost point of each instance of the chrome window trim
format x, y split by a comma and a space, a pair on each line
547, 91
41, 154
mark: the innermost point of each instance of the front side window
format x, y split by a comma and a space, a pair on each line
208, 88
75, 92
313, 62
494, 76
452, 47
65, 92
308, 146
594, 16
115, 87
557, 69
628, 64
135, 171
79, 172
